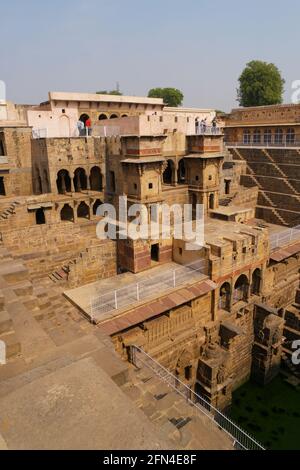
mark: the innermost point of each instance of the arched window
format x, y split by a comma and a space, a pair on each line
247, 137
278, 136
80, 180
256, 282
83, 118
124, 115
257, 136
67, 213
96, 204
96, 179
241, 288
290, 136
63, 182
224, 299
83, 211
113, 116
102, 117
268, 136
168, 173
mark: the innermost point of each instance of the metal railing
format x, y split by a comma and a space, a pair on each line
208, 130
285, 237
272, 144
39, 133
135, 292
241, 439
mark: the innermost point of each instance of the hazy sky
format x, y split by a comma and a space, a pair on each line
198, 46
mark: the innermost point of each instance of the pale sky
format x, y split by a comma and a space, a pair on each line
197, 46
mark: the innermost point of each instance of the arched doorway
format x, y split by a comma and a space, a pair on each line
241, 289
80, 180
181, 176
168, 173
113, 116
96, 204
225, 294
40, 216
102, 117
256, 282
67, 213
64, 126
211, 201
96, 179
124, 115
83, 211
63, 182
83, 118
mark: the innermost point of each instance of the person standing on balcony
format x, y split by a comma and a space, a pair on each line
203, 126
214, 125
80, 127
197, 124
88, 125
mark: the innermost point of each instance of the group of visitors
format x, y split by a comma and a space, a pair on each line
202, 127
84, 128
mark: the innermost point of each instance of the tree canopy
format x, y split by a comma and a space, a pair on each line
171, 96
261, 84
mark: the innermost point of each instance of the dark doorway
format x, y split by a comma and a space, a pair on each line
168, 173
2, 186
83, 211
102, 117
40, 216
1, 149
211, 201
96, 179
181, 172
80, 180
227, 186
114, 116
97, 204
155, 252
188, 372
63, 182
256, 282
67, 213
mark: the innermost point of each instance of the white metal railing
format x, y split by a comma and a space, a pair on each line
285, 237
285, 144
208, 130
205, 410
135, 292
39, 133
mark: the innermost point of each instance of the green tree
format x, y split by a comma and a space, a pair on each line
171, 96
261, 84
112, 92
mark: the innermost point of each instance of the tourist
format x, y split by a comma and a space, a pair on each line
80, 127
214, 125
88, 125
197, 123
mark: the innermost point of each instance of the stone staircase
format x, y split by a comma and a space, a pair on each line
269, 211
6, 213
180, 422
282, 173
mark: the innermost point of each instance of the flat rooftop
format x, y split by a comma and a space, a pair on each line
109, 298
95, 97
